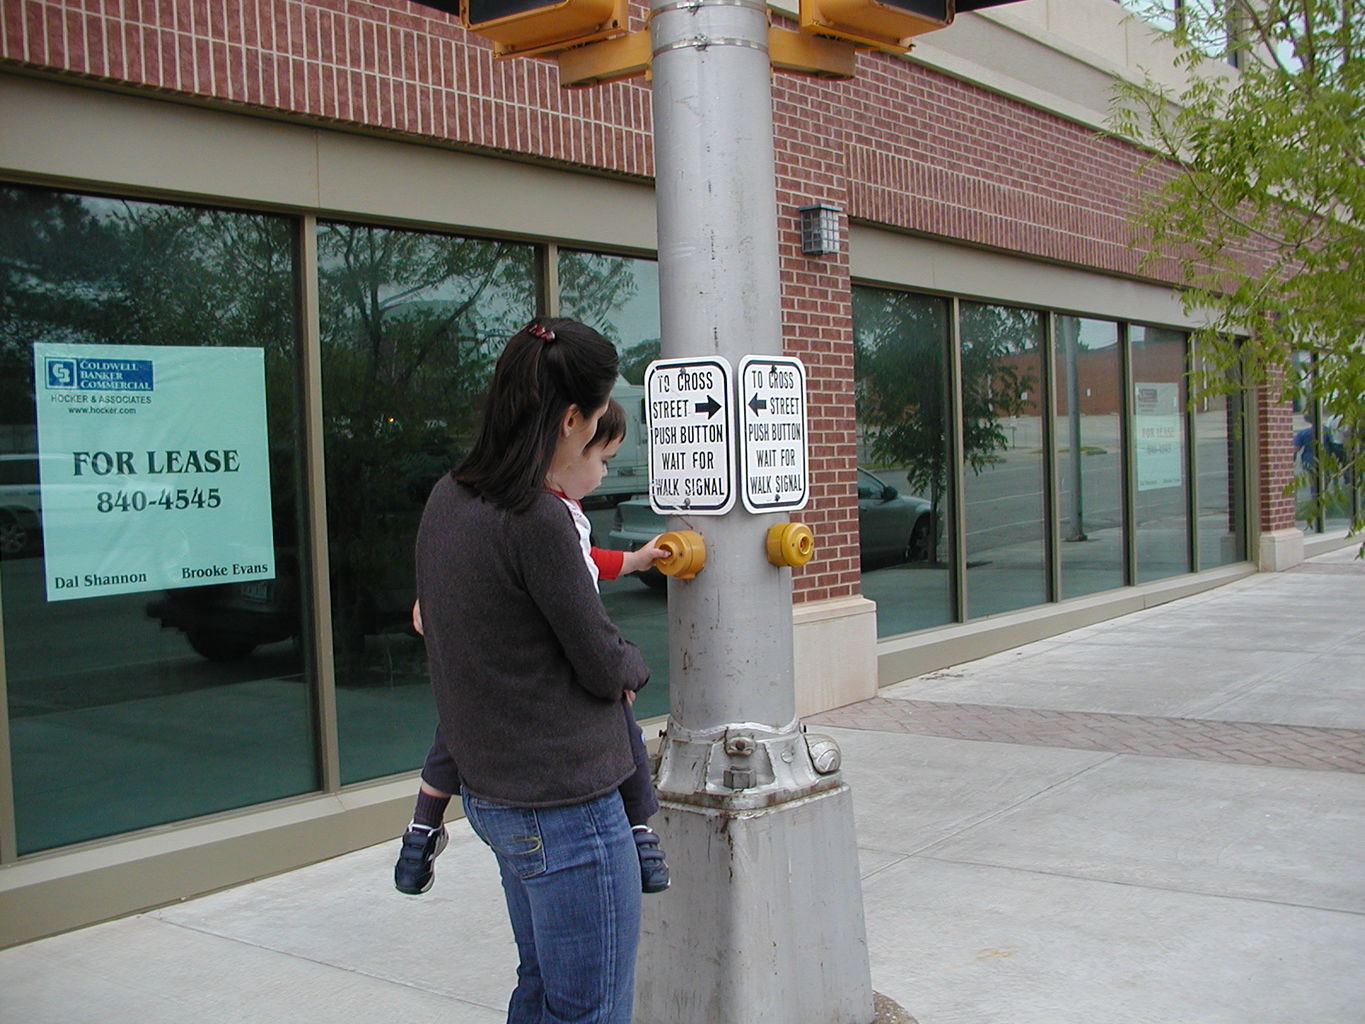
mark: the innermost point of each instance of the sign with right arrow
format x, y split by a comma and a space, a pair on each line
772, 438
691, 441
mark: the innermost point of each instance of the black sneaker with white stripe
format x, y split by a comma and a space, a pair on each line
422, 844
653, 868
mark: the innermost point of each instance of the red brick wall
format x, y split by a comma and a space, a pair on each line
388, 65
817, 320
943, 157
1275, 456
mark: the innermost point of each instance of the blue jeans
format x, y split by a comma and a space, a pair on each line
572, 881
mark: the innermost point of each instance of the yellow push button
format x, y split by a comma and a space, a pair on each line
686, 554
790, 544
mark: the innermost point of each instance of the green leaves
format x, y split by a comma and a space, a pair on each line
1256, 197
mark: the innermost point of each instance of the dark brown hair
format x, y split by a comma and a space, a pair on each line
611, 427
547, 366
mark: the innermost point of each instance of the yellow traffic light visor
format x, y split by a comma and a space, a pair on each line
522, 27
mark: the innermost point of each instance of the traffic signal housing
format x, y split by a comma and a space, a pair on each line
524, 27
884, 24
520, 28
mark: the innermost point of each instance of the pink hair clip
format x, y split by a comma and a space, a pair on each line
540, 331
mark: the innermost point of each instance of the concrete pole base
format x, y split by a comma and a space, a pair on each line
763, 923
889, 1011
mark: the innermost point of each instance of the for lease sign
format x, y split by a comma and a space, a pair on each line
154, 467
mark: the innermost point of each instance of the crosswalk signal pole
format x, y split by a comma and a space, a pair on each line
764, 920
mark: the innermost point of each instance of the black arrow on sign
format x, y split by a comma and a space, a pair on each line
757, 403
711, 407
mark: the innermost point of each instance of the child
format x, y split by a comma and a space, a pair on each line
426, 835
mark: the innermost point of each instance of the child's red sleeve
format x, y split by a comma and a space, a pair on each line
608, 562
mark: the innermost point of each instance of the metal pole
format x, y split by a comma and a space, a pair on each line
764, 920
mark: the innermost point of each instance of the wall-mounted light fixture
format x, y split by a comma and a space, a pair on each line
820, 229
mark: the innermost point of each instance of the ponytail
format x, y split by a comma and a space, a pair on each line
546, 367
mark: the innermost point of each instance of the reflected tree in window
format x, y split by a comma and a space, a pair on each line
999, 377
90, 270
900, 344
619, 297
593, 287
411, 325
1002, 429
902, 384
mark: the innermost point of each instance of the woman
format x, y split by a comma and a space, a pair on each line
528, 674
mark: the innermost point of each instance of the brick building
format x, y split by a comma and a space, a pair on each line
1001, 445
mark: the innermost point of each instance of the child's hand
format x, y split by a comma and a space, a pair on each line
417, 617
636, 561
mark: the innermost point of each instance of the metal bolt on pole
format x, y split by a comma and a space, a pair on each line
764, 921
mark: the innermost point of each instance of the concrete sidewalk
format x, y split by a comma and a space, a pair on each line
1157, 820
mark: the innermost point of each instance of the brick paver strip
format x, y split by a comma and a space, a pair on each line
1287, 746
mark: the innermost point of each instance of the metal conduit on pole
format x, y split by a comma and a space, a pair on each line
764, 921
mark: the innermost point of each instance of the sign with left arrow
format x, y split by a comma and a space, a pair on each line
689, 420
773, 447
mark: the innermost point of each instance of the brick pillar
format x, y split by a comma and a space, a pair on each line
1280, 542
817, 324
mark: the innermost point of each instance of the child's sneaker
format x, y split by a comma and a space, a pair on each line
422, 844
653, 869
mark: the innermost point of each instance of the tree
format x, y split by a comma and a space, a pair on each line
411, 324
1256, 200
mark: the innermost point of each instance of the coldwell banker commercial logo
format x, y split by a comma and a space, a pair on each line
70, 374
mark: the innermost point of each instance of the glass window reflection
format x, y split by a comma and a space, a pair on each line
1004, 475
411, 324
1218, 459
179, 702
1160, 455
1326, 497
900, 366
1089, 438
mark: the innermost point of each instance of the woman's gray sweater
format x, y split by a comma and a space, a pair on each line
527, 669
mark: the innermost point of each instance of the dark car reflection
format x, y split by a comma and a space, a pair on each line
893, 528
227, 621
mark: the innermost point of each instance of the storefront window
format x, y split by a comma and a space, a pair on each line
1326, 495
1004, 478
1301, 439
1219, 475
1089, 454
150, 580
619, 297
412, 323
900, 365
1159, 452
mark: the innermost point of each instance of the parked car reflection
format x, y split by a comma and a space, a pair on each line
227, 621
893, 528
20, 505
